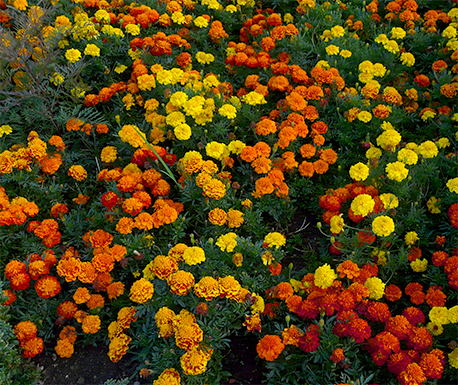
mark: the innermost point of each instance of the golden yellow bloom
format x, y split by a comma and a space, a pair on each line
382, 226
72, 55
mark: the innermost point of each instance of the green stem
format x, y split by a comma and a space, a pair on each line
167, 169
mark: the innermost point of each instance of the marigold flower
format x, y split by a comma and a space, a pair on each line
141, 291
168, 377
363, 204
91, 324
269, 347
195, 361
383, 226
193, 255
64, 348
77, 172
227, 242
359, 172
118, 347
207, 288
324, 276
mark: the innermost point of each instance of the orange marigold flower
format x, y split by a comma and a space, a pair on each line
95, 301
68, 333
234, 218
392, 293
81, 295
115, 290
348, 269
270, 347
265, 127
25, 330
67, 309
91, 324
283, 291
439, 66
47, 286
64, 348
32, 347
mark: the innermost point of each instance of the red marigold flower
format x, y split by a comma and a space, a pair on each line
67, 309
413, 374
309, 342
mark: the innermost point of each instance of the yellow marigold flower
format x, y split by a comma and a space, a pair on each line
120, 68
407, 59
178, 17
389, 139
141, 291
453, 314
57, 79
102, 15
398, 33
20, 5
236, 146
275, 239
146, 82
452, 185
5, 129
133, 29
193, 255
327, 35
453, 358
382, 226
390, 201
419, 265
391, 46
324, 276
373, 153
131, 134
411, 237
443, 143
200, 22
435, 329
449, 32
72, 55
254, 99
337, 224
362, 204
365, 116
337, 31
214, 189
345, 53
439, 315
215, 150
77, 172
376, 287
332, 50
182, 131
396, 171
288, 18
433, 205
237, 259
92, 50
228, 111
382, 38
407, 156
109, 154
227, 242
427, 149
379, 70
204, 58
359, 172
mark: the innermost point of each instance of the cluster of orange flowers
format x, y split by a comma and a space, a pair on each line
134, 183
403, 344
16, 211
26, 333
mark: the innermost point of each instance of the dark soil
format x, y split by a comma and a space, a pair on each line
88, 366
91, 366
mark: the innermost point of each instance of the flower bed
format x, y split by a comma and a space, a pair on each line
154, 156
